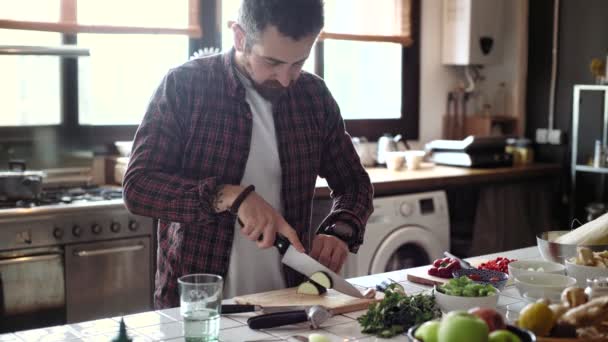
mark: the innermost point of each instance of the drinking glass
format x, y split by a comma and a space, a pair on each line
200, 303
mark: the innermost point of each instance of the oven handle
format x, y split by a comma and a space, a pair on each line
25, 259
93, 252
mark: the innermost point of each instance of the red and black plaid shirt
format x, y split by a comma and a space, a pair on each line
196, 135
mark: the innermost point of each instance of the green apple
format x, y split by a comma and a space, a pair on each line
427, 332
461, 326
502, 335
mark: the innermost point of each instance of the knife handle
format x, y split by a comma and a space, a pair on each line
277, 319
281, 243
237, 308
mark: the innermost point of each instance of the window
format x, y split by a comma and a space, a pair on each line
116, 82
367, 84
133, 44
29, 91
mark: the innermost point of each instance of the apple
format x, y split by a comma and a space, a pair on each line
493, 319
458, 326
502, 335
427, 332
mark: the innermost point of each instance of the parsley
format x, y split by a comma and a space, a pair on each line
397, 312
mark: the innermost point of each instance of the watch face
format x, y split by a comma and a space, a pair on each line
342, 230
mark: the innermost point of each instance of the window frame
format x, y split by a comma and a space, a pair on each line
72, 135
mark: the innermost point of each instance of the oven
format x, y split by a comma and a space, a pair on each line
71, 262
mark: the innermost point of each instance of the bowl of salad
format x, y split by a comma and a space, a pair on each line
463, 294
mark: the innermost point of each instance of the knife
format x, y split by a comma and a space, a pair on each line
316, 315
306, 265
240, 308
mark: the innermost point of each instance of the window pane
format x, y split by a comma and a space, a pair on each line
30, 86
147, 13
30, 10
364, 92
116, 82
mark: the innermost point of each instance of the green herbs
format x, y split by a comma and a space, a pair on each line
465, 287
397, 312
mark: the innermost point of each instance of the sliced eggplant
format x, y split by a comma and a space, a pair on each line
322, 279
310, 287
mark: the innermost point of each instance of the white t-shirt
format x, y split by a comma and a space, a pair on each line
251, 269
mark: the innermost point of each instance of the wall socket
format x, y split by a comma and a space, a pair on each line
549, 136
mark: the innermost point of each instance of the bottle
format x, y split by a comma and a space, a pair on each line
500, 100
597, 154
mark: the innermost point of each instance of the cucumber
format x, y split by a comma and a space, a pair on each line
310, 287
322, 279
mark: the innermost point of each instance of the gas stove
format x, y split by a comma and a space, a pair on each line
65, 196
83, 243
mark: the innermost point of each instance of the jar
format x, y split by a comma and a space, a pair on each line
597, 287
521, 150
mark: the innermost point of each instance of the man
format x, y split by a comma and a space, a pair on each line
244, 135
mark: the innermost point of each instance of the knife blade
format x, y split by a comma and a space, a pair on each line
240, 308
306, 265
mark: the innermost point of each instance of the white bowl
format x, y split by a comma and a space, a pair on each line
449, 303
536, 285
581, 272
520, 267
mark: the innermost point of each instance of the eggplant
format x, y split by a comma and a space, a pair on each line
322, 279
312, 288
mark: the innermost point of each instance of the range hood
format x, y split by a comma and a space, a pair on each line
66, 51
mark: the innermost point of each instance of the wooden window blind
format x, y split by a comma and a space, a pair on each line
130, 21
364, 20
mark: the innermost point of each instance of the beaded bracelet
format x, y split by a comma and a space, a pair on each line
234, 208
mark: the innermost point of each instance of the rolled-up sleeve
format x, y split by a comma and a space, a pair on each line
153, 184
351, 188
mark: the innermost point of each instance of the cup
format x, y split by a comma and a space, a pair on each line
200, 302
394, 160
413, 159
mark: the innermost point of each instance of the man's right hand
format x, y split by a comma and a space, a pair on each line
261, 219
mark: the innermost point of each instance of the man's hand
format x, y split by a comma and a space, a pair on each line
261, 219
329, 251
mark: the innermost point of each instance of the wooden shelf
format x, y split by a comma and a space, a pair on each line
484, 126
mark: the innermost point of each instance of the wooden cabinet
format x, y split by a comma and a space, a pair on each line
483, 126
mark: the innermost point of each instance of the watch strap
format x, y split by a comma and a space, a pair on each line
234, 208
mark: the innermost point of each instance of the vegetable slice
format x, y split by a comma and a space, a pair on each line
322, 279
311, 288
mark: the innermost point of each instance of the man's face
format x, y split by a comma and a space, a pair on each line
274, 61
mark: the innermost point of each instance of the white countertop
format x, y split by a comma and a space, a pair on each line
166, 325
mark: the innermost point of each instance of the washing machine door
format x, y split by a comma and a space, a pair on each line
405, 247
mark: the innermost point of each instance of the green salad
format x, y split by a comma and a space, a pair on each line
465, 287
397, 312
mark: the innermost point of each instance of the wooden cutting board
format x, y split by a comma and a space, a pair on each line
421, 275
335, 302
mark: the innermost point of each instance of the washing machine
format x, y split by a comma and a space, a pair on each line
404, 231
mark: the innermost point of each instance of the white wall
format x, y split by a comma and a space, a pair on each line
436, 80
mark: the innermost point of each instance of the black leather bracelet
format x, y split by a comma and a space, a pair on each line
234, 208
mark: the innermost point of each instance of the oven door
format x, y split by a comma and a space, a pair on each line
32, 291
109, 278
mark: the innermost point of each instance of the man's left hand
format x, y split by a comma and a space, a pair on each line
329, 251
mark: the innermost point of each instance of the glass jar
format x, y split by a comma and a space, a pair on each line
597, 287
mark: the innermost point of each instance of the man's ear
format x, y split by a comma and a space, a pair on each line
239, 36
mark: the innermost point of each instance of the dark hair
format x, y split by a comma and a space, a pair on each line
292, 18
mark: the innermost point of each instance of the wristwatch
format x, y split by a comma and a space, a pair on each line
344, 232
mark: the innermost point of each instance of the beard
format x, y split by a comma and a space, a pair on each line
271, 90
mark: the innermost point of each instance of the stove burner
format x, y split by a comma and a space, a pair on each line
66, 196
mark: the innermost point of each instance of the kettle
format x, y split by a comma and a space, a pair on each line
387, 143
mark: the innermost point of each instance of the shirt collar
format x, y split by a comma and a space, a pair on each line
235, 87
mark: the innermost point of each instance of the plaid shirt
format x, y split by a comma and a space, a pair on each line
196, 135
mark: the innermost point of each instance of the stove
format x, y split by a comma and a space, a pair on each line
76, 254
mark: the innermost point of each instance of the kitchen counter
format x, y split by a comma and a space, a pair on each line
166, 325
430, 177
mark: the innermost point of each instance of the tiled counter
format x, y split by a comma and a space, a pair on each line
166, 325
